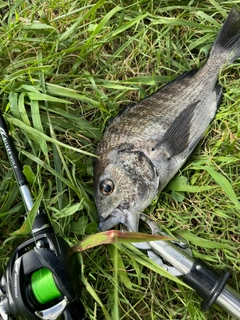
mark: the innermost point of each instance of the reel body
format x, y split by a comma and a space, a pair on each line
40, 278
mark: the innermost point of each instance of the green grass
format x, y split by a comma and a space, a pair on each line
66, 67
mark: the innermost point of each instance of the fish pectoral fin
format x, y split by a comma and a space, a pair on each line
176, 138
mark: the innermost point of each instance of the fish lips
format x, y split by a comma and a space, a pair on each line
119, 215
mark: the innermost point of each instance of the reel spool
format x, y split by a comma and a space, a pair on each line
43, 286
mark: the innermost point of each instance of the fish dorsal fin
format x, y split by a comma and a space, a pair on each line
176, 138
112, 119
186, 74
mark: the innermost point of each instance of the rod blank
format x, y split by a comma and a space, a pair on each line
15, 164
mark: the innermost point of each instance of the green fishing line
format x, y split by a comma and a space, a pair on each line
43, 286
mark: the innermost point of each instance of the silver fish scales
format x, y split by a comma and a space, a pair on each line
147, 143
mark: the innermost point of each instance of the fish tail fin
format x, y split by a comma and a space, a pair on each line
227, 43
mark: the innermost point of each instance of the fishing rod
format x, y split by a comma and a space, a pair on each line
39, 281
176, 257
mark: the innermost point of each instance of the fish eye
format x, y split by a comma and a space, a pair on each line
106, 187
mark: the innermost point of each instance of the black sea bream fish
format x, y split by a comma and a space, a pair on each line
146, 144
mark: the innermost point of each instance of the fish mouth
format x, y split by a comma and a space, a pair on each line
120, 215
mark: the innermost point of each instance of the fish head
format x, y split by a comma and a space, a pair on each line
123, 189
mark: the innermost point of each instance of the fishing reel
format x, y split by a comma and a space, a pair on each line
39, 278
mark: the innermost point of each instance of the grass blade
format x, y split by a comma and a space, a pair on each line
38, 134
223, 182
